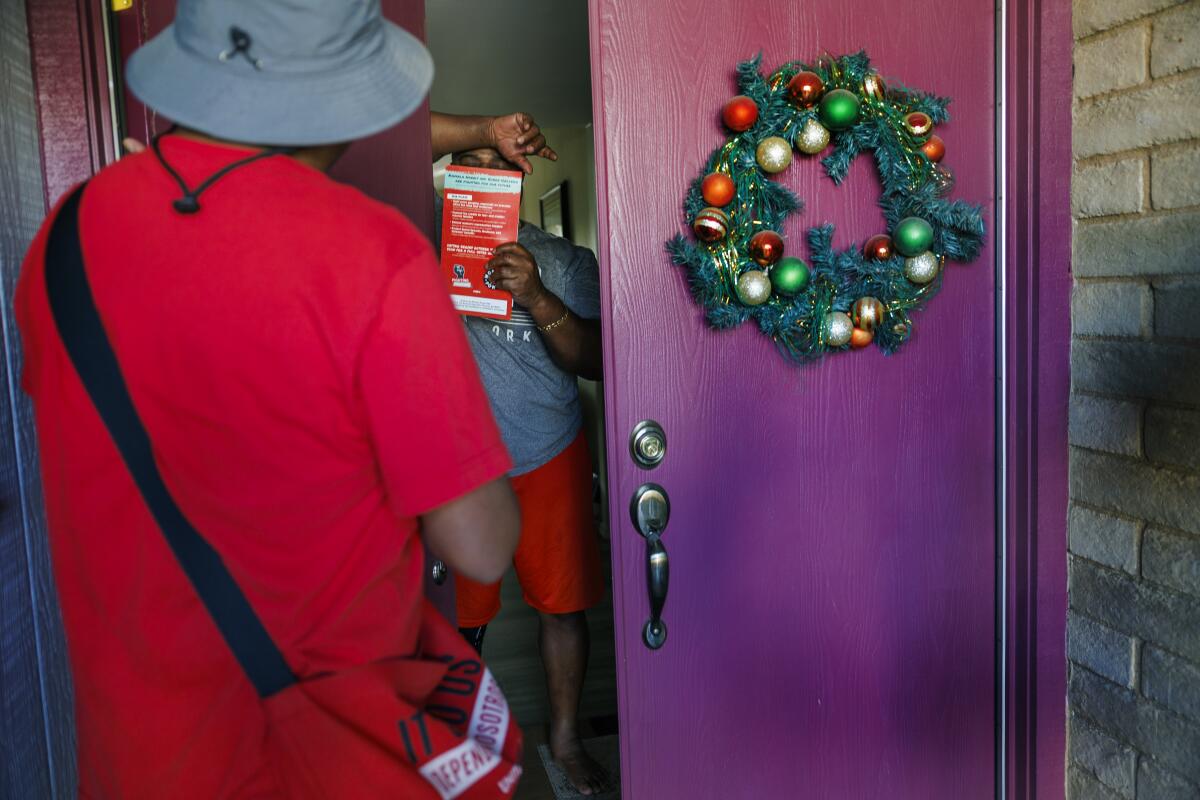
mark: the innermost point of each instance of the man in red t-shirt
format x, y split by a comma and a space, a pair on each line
312, 402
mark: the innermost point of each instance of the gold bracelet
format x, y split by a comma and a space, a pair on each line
556, 323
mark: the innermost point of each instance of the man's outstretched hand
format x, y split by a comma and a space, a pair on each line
517, 137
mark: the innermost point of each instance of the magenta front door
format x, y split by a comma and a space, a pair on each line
832, 541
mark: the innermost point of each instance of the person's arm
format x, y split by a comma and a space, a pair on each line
515, 136
572, 342
477, 534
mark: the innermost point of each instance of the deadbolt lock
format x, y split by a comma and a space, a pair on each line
648, 444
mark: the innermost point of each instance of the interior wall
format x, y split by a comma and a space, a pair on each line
517, 55
1134, 620
36, 731
577, 165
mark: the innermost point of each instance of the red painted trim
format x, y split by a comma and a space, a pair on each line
70, 73
1037, 313
134, 28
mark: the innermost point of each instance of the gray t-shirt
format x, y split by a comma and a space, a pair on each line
535, 403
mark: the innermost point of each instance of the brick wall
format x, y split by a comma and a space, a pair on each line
1134, 627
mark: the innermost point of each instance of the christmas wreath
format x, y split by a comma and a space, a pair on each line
736, 266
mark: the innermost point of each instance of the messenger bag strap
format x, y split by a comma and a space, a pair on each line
83, 334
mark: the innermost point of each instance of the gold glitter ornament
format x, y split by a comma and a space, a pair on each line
838, 328
923, 268
774, 154
753, 287
813, 137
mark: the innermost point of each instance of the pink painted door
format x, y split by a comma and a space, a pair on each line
832, 540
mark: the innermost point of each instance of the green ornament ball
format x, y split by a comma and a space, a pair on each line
789, 275
912, 236
839, 109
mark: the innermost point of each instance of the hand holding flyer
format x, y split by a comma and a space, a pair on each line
482, 209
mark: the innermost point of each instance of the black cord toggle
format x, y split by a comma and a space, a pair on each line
241, 45
189, 203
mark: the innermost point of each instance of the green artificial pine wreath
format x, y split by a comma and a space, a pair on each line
844, 298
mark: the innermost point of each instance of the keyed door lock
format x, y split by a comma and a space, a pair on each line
648, 444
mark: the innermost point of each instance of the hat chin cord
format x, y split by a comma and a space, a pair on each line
190, 202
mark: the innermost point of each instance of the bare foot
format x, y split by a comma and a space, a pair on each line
584, 772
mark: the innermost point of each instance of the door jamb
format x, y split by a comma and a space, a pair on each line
1034, 198
68, 43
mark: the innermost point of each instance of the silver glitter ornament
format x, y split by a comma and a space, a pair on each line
753, 287
813, 137
923, 268
774, 154
838, 328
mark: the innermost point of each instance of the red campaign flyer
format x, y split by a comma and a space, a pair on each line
481, 210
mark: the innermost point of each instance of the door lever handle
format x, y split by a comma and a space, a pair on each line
658, 573
650, 510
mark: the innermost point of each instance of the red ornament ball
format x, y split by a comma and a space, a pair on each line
806, 88
934, 148
717, 189
711, 225
860, 338
740, 113
766, 247
918, 123
878, 247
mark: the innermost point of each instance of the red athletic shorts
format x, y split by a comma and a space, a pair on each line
558, 559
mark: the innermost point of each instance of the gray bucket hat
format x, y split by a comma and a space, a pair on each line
282, 72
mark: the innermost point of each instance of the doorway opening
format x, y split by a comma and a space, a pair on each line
533, 56
490, 59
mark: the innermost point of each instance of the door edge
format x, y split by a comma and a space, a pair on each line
1036, 292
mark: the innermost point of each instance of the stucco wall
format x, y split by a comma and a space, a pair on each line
1134, 626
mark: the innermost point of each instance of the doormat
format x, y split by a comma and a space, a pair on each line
604, 749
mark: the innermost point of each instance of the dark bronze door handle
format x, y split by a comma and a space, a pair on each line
650, 510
